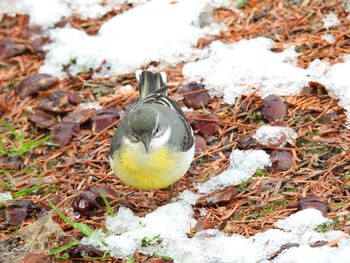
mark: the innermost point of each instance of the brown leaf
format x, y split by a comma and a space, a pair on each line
195, 100
87, 250
274, 108
34, 83
61, 101
105, 117
64, 132
43, 120
281, 160
218, 197
10, 48
86, 202
248, 142
316, 202
16, 211
200, 144
89, 200
207, 128
11, 162
282, 248
203, 224
319, 243
79, 116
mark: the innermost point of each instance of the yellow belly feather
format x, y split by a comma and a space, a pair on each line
147, 170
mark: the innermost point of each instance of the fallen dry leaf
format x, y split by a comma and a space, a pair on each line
194, 100
248, 143
203, 224
16, 211
316, 202
207, 128
319, 243
87, 250
64, 132
79, 116
274, 108
282, 160
200, 144
10, 48
218, 197
89, 200
43, 120
105, 117
35, 83
282, 248
61, 101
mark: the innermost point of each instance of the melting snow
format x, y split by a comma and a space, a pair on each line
274, 136
249, 66
330, 20
243, 166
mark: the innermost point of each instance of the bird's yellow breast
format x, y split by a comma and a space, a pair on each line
154, 170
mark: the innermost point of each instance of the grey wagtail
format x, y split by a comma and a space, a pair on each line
153, 146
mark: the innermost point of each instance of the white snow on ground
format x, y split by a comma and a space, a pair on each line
249, 66
159, 30
243, 165
274, 136
167, 31
328, 37
337, 82
164, 231
46, 13
330, 20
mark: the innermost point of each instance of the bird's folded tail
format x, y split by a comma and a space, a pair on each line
149, 82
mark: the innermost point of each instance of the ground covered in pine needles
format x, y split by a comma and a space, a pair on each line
71, 166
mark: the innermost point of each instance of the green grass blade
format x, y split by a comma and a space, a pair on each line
106, 255
83, 228
10, 129
39, 142
62, 248
2, 147
109, 208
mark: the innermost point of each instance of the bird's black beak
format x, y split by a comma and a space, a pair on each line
146, 139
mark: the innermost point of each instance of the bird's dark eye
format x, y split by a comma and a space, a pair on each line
157, 129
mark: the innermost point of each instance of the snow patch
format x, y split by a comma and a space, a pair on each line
274, 136
243, 165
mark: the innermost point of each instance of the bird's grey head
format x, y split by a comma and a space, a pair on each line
146, 124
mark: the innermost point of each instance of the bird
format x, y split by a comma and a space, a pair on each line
153, 146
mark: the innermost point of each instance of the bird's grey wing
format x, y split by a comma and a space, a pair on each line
188, 139
116, 140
